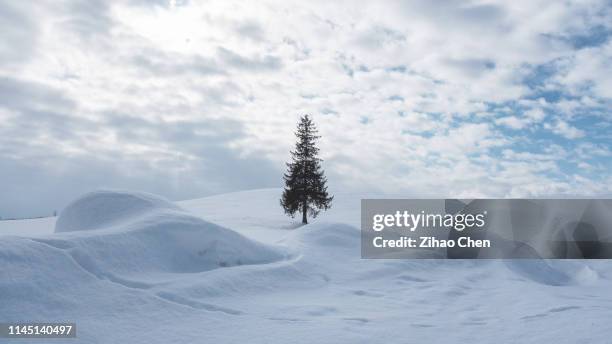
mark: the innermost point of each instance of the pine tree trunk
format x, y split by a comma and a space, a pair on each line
304, 208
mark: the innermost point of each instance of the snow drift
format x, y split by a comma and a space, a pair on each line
136, 238
105, 208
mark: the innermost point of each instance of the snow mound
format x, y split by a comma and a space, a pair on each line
539, 270
101, 209
143, 235
333, 236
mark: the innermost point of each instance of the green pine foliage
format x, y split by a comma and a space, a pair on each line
305, 190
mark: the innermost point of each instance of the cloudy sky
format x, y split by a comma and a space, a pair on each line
191, 98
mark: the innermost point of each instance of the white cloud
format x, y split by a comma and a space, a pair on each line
564, 129
535, 114
512, 122
436, 82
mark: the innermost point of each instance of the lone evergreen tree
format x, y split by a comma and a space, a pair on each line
305, 188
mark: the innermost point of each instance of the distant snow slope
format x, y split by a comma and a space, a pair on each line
134, 268
29, 227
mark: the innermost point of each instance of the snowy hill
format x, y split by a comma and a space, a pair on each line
134, 268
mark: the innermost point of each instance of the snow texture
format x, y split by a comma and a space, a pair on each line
135, 268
